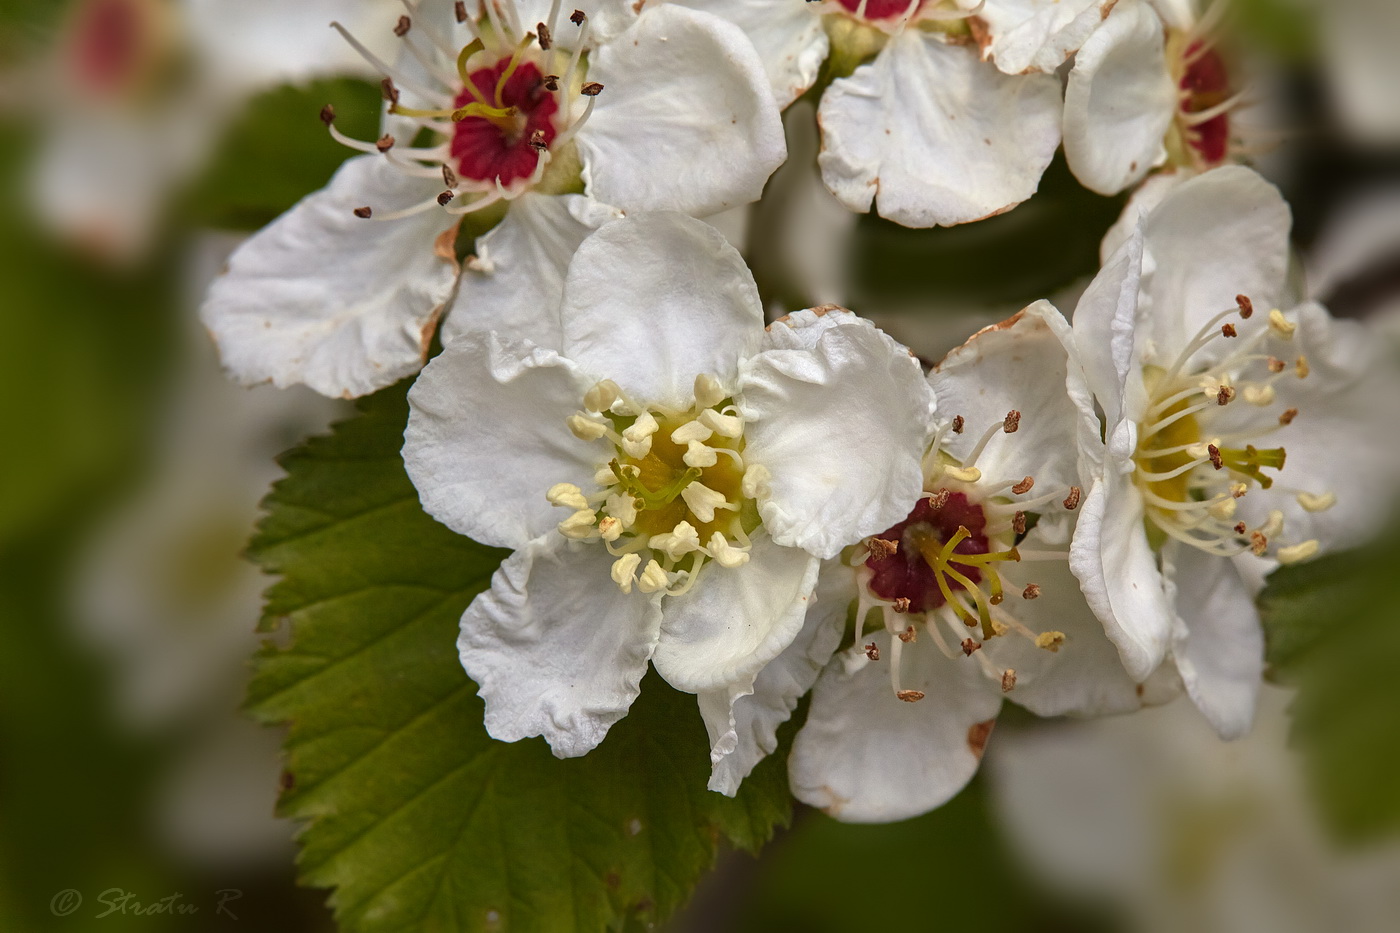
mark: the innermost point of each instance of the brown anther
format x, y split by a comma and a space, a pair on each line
546, 40
328, 114
1072, 500
551, 82
996, 599
1024, 486
1225, 396
1032, 591
460, 8
537, 141
938, 499
1276, 365
402, 27
1008, 680
1215, 459
1287, 417
881, 548
901, 604
364, 213
446, 197
389, 91
578, 17
908, 634
591, 89
449, 177
1302, 368
1229, 331
872, 651
1258, 543
1241, 528
910, 696
1012, 423
385, 143
1246, 306
958, 423
1018, 523
969, 646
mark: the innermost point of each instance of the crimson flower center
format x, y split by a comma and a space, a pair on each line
1206, 84
878, 9
906, 573
487, 148
110, 39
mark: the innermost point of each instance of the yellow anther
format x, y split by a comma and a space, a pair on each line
675, 544
691, 431
601, 396
579, 525
653, 578
1238, 490
1297, 552
755, 482
636, 439
708, 391
624, 571
1280, 325
605, 477
723, 425
1319, 503
1273, 525
703, 501
1050, 641
567, 495
1260, 395
1302, 368
1224, 510
586, 428
726, 554
963, 474
698, 455
609, 529
623, 507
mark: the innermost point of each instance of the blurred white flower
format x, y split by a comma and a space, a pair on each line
514, 106
705, 465
1191, 365
973, 590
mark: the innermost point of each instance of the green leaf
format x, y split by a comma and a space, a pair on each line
418, 818
1333, 631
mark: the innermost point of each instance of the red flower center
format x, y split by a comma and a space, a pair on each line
110, 39
877, 9
907, 573
488, 148
1207, 84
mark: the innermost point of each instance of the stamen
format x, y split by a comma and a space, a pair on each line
1292, 554
1317, 503
384, 69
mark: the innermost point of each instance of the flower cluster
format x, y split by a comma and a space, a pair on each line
1074, 515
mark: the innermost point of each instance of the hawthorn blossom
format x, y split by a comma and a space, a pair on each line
1150, 88
557, 121
941, 112
971, 592
702, 468
1231, 437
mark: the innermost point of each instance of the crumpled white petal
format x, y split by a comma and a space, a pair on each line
834, 427
736, 620
935, 137
744, 729
487, 437
1119, 101
1035, 35
789, 38
1107, 348
555, 647
322, 297
865, 756
653, 300
515, 283
686, 120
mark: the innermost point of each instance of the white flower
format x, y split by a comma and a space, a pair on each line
522, 108
974, 595
917, 122
1149, 88
1233, 435
578, 458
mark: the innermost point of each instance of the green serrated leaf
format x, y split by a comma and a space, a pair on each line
1333, 632
416, 817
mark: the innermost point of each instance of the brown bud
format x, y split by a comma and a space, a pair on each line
901, 604
881, 548
938, 499
908, 634
1225, 396
1229, 331
1012, 423
364, 213
1258, 543
537, 141
1008, 680
958, 424
1032, 591
578, 17
1241, 528
551, 82
872, 651
969, 646
591, 89
1072, 500
1018, 523
1287, 417
446, 197
1024, 486
546, 40
328, 114
910, 696
385, 143
1276, 365
460, 8
390, 92
1215, 459
402, 26
1246, 306
449, 177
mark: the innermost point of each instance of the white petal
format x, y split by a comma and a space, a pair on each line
1119, 101
1213, 237
516, 282
842, 428
1036, 35
325, 298
1107, 334
789, 38
736, 620
1019, 364
1140, 203
686, 120
1219, 648
744, 730
651, 301
1118, 573
934, 136
865, 756
487, 437
556, 648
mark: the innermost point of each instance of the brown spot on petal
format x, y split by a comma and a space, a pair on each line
977, 736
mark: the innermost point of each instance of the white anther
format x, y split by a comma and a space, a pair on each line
1320, 503
725, 554
1198, 451
702, 501
1280, 325
567, 495
586, 428
691, 431
708, 391
963, 474
1260, 395
1238, 490
1224, 510
601, 396
624, 571
579, 525
698, 455
636, 440
754, 485
1273, 525
610, 529
623, 507
723, 425
1297, 552
605, 477
653, 578
678, 542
